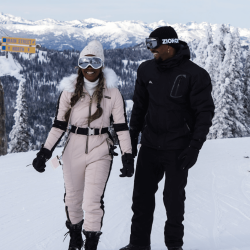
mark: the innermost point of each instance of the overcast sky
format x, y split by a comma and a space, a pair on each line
236, 13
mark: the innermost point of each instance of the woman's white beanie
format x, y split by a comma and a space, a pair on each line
93, 48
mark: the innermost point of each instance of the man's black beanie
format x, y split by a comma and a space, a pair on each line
166, 32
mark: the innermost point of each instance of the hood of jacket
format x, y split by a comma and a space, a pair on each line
182, 53
68, 83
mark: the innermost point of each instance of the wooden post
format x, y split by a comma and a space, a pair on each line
3, 137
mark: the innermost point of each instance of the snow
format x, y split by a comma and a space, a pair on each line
9, 66
41, 126
217, 206
76, 33
40, 54
125, 62
129, 105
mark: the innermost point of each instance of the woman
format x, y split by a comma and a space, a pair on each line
88, 102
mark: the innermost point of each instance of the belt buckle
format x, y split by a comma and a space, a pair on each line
91, 131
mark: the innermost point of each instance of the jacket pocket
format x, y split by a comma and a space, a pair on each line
178, 86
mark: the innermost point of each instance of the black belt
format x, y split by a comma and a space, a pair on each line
88, 131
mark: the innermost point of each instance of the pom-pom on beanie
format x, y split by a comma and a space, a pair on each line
93, 48
168, 34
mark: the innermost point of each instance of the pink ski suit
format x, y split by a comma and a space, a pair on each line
86, 159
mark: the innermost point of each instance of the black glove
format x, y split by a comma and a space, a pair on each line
134, 134
189, 157
128, 165
112, 150
42, 156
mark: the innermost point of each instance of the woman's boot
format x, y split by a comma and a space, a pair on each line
92, 239
75, 232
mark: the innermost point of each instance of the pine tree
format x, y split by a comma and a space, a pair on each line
209, 60
3, 137
247, 85
219, 50
215, 65
20, 135
222, 121
237, 81
201, 52
230, 117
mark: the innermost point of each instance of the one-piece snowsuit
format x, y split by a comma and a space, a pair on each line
86, 159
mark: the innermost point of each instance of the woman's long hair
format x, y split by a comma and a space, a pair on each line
98, 95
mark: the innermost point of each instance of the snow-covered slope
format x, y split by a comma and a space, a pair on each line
75, 34
9, 66
217, 207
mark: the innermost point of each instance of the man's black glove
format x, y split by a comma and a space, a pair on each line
134, 134
189, 157
42, 156
128, 165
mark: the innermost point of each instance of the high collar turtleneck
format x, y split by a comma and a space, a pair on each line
90, 86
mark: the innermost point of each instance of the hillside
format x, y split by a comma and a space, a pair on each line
43, 72
217, 207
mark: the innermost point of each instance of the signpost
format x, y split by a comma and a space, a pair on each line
20, 45
24, 49
20, 41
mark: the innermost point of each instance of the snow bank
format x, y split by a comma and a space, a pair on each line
217, 207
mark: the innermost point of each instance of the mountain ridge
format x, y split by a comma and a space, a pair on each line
60, 35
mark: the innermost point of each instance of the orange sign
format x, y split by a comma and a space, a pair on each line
20, 41
24, 49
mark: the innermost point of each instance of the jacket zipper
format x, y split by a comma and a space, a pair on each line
146, 120
87, 141
187, 126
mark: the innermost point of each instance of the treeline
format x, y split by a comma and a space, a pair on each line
222, 55
228, 64
45, 70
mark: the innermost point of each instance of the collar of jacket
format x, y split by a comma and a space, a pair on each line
111, 81
182, 53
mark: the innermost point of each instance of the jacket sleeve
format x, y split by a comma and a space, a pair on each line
202, 106
140, 107
60, 125
120, 123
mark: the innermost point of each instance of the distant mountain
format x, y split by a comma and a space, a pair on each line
75, 34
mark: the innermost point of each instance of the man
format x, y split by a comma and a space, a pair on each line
173, 109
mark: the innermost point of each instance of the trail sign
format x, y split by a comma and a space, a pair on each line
24, 49
20, 41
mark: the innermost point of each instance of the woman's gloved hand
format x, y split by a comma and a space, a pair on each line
112, 150
128, 165
134, 134
42, 156
189, 157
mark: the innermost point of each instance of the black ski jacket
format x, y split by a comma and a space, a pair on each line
173, 106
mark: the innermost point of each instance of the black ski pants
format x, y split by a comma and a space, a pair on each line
150, 169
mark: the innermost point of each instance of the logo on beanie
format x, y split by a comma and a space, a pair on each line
171, 40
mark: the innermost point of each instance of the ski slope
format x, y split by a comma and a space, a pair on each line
217, 208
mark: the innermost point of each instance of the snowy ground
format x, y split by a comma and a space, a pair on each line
217, 208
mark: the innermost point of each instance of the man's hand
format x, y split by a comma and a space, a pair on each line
128, 165
134, 134
42, 156
189, 157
